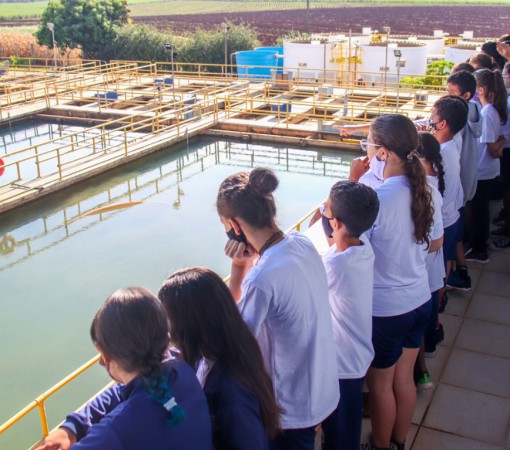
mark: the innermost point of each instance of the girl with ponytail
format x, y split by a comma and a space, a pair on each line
401, 239
281, 288
493, 97
157, 403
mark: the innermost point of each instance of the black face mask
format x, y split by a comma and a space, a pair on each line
328, 230
236, 237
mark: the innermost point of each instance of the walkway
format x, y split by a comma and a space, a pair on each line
469, 407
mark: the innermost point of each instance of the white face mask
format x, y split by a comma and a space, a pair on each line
377, 167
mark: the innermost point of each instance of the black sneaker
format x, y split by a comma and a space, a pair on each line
459, 280
501, 244
479, 257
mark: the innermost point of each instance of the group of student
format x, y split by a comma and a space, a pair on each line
290, 342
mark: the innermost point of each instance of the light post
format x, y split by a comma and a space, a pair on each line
51, 27
170, 48
226, 29
387, 31
400, 63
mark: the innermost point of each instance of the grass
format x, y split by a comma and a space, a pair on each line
166, 7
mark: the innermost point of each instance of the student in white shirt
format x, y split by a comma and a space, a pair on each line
492, 93
448, 117
401, 304
430, 157
463, 84
283, 297
350, 210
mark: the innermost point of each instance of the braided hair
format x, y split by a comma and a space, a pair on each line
131, 328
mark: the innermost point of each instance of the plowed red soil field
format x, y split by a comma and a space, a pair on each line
485, 21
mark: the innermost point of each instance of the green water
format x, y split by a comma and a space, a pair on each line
64, 266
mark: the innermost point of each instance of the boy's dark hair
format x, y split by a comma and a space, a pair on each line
454, 110
465, 81
354, 204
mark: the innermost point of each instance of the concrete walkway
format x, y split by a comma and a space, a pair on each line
469, 406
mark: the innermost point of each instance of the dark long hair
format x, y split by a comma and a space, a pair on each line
131, 328
205, 323
399, 136
249, 196
492, 82
430, 150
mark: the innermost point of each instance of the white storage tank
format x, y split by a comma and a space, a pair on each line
435, 45
460, 53
373, 57
309, 60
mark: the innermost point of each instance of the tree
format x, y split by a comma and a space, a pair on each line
208, 47
88, 24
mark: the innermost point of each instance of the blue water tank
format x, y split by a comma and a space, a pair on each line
256, 65
279, 51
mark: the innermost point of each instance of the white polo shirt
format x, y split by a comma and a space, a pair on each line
435, 261
488, 167
400, 272
453, 196
350, 279
285, 303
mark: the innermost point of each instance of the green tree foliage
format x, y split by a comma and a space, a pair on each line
208, 47
141, 43
434, 76
86, 24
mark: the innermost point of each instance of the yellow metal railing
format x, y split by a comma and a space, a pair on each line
39, 402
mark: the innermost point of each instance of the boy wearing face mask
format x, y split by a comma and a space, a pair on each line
448, 117
350, 211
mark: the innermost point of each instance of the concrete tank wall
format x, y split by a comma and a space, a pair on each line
373, 59
458, 53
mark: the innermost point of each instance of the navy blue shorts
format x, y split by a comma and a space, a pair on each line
450, 241
391, 334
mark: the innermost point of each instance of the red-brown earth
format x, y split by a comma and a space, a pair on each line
484, 21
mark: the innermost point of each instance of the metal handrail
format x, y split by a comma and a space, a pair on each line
39, 402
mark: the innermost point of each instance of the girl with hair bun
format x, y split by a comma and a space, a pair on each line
210, 333
156, 404
401, 240
283, 297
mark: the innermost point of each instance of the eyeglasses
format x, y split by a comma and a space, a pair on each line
364, 144
500, 44
322, 209
432, 125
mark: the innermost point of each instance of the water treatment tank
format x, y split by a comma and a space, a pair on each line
256, 65
460, 53
374, 55
309, 60
435, 45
